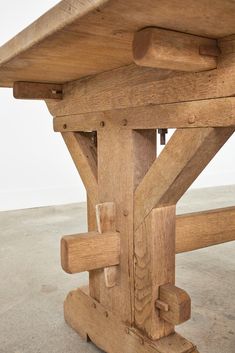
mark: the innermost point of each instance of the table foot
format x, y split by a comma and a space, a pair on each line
93, 322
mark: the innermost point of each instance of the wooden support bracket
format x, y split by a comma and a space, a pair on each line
36, 90
155, 47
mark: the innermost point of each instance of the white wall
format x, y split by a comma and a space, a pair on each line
35, 166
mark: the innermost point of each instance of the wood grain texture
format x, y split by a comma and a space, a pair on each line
160, 48
80, 38
89, 251
182, 160
201, 229
204, 113
32, 90
106, 223
106, 217
120, 169
154, 267
84, 154
133, 86
104, 328
94, 276
179, 304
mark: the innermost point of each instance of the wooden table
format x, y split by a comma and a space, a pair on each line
113, 73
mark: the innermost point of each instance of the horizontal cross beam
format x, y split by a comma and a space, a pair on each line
84, 252
204, 113
201, 229
135, 86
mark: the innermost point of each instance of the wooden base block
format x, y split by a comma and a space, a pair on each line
92, 321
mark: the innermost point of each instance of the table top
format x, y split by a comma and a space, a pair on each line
78, 38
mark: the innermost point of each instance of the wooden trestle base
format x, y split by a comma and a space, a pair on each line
109, 89
94, 322
134, 234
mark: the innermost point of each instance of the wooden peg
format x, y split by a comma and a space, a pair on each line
106, 222
174, 304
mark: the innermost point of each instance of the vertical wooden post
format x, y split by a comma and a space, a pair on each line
154, 266
124, 156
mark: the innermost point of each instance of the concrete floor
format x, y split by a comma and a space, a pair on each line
33, 286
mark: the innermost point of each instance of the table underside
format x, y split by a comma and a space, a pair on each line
80, 38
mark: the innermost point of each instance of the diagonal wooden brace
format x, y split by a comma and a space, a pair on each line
185, 156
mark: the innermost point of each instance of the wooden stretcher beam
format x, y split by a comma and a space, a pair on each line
199, 230
204, 113
194, 231
89, 251
160, 48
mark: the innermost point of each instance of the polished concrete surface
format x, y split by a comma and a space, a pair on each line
33, 285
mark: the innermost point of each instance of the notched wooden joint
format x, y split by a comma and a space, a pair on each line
37, 90
174, 304
165, 49
106, 223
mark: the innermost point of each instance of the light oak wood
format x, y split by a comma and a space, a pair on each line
92, 226
134, 86
79, 38
106, 217
85, 47
154, 267
32, 90
193, 231
199, 230
84, 154
106, 223
161, 305
160, 48
104, 328
89, 251
227, 44
114, 170
179, 304
204, 113
117, 180
182, 160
